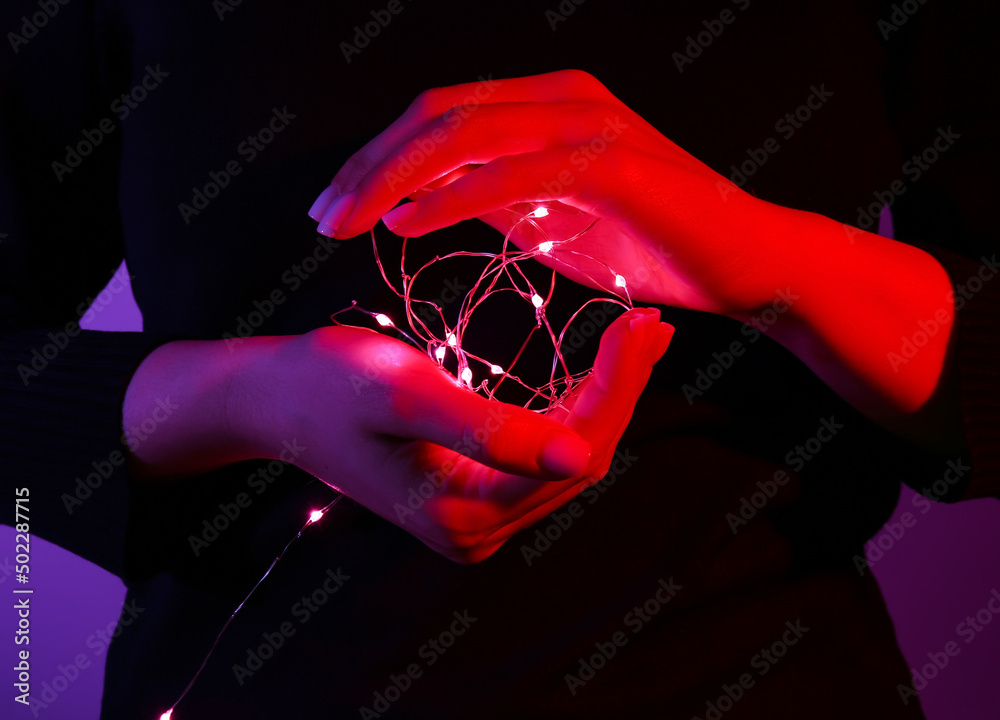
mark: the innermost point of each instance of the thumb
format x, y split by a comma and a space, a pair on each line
506, 437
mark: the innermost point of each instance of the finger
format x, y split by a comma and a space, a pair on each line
627, 353
449, 143
557, 86
434, 408
525, 178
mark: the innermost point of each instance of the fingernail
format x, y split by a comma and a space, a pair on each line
337, 213
640, 328
400, 216
642, 317
324, 199
565, 454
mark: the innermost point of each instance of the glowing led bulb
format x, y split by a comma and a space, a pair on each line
315, 515
467, 375
439, 353
620, 281
536, 300
496, 369
166, 715
452, 340
383, 320
545, 247
539, 212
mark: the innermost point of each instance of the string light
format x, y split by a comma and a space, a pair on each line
313, 517
502, 273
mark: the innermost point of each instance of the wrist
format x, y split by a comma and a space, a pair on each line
860, 298
218, 407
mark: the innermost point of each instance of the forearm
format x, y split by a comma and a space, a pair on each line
216, 406
873, 318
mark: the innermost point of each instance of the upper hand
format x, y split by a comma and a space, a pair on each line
677, 231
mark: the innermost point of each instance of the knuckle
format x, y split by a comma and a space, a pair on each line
430, 103
354, 171
581, 80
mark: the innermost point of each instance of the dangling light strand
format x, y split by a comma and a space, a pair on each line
314, 517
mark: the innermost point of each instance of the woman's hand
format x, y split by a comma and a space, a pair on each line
678, 232
384, 424
845, 301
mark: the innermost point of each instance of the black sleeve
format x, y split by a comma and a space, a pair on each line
61, 240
